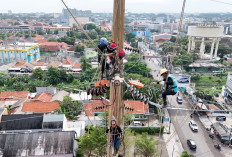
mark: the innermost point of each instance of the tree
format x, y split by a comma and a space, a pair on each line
70, 78
88, 75
185, 154
53, 75
48, 31
68, 40
173, 39
38, 73
145, 146
223, 50
128, 140
16, 23
127, 119
86, 146
104, 119
63, 74
84, 64
56, 31
40, 32
93, 144
79, 48
52, 40
89, 26
70, 108
129, 36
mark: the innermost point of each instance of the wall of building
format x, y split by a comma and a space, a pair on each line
12, 55
5, 112
205, 31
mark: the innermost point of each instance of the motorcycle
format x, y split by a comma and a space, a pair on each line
217, 146
211, 135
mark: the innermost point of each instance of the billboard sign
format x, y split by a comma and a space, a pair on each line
182, 80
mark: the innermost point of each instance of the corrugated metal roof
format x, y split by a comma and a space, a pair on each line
53, 118
42, 143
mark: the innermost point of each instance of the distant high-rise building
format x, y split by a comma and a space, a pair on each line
9, 12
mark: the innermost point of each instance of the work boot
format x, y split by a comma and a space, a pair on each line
164, 103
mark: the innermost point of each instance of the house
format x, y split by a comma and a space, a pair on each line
51, 90
77, 126
40, 143
227, 89
43, 97
40, 107
81, 96
137, 108
77, 68
106, 27
38, 26
52, 46
54, 121
68, 64
59, 96
54, 64
3, 111
203, 67
21, 122
10, 98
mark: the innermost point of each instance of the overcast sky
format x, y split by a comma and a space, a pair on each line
139, 6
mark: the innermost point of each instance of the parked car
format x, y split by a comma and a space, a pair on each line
191, 144
183, 80
193, 125
179, 100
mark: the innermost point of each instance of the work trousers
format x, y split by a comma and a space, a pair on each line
167, 92
116, 145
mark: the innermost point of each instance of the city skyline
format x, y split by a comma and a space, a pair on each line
135, 6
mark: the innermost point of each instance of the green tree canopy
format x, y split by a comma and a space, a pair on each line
38, 73
223, 50
53, 75
79, 48
185, 154
129, 37
93, 144
70, 108
89, 26
145, 145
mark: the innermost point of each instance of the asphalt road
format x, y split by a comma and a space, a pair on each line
180, 120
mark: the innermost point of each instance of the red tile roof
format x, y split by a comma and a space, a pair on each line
38, 24
39, 63
43, 97
55, 64
52, 46
77, 66
68, 62
137, 106
20, 63
40, 107
13, 96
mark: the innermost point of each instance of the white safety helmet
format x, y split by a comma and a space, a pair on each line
103, 41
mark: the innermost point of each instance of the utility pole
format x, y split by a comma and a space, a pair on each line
115, 108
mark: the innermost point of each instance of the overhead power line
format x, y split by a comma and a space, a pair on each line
221, 2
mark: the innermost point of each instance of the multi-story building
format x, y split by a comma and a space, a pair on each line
18, 52
227, 89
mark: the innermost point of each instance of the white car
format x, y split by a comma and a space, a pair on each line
193, 125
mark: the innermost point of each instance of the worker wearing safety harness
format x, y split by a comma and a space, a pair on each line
171, 85
116, 132
104, 49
